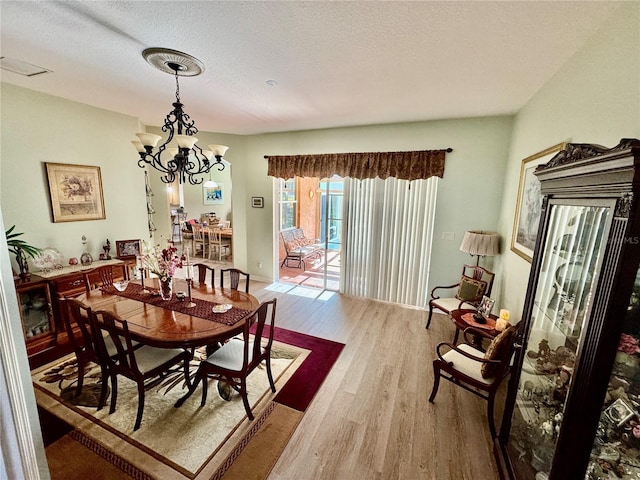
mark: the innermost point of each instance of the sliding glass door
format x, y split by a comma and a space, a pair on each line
331, 191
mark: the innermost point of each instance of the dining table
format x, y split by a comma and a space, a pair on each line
177, 322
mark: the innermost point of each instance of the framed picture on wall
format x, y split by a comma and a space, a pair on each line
529, 203
257, 202
75, 192
213, 195
128, 248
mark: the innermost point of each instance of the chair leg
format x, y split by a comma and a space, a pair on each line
429, 319
114, 393
436, 382
455, 337
81, 365
245, 398
269, 375
205, 387
103, 389
140, 406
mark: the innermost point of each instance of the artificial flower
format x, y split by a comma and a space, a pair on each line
162, 262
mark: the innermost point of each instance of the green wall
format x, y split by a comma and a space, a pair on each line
38, 128
593, 98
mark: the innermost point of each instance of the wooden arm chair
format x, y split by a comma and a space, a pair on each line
477, 372
202, 273
235, 360
474, 282
138, 364
234, 278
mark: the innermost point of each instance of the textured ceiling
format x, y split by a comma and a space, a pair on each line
335, 63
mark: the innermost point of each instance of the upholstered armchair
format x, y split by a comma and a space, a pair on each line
474, 282
478, 372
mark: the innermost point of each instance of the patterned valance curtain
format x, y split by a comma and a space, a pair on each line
414, 165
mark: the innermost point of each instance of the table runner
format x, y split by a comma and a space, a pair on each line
490, 325
203, 308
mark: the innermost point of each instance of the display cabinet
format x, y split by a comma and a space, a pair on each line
47, 339
572, 409
36, 313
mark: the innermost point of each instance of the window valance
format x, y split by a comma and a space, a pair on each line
402, 165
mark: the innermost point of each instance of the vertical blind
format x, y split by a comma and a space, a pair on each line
388, 231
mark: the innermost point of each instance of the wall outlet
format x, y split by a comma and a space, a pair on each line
259, 264
448, 235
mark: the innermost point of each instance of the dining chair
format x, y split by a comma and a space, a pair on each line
97, 277
85, 346
215, 243
199, 240
202, 273
474, 282
235, 360
478, 372
137, 364
234, 278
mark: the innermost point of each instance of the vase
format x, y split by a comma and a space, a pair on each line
166, 288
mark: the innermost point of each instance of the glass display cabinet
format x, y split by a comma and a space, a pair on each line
34, 302
572, 408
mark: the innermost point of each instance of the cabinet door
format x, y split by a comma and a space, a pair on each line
616, 447
35, 311
572, 254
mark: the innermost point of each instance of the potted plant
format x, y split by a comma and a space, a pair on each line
21, 250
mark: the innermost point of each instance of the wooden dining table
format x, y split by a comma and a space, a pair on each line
172, 323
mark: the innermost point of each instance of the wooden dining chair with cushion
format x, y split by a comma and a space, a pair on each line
474, 282
234, 278
201, 270
138, 364
480, 373
235, 360
85, 346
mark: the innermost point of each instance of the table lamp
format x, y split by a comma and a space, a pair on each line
477, 242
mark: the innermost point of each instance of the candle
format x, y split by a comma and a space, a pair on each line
503, 320
188, 274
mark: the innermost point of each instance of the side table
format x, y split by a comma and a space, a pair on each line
463, 318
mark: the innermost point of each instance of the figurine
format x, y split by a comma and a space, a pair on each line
106, 249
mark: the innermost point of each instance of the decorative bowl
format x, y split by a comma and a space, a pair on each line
121, 286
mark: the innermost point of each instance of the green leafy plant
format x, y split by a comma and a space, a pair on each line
16, 245
21, 250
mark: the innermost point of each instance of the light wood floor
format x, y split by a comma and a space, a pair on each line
371, 419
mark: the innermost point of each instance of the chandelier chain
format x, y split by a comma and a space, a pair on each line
177, 87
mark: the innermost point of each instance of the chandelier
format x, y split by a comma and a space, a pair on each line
183, 159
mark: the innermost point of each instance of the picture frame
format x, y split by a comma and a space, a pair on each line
128, 248
257, 202
213, 195
75, 192
529, 203
619, 412
485, 307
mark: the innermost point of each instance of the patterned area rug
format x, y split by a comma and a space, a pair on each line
191, 442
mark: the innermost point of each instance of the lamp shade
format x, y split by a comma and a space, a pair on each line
480, 243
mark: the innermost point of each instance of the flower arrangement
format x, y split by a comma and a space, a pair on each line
162, 262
